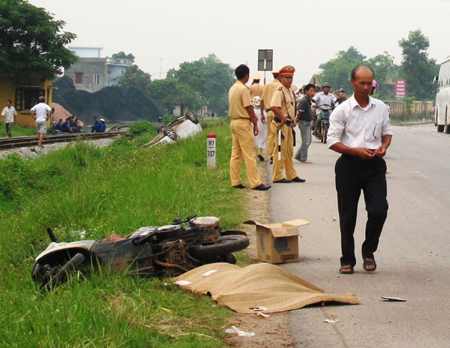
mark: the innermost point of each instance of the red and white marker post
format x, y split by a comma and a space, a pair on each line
211, 150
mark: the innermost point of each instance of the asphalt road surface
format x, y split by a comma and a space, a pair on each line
413, 256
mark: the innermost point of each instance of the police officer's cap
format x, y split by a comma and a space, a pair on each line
256, 77
276, 71
326, 84
287, 70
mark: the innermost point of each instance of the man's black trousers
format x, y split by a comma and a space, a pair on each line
354, 174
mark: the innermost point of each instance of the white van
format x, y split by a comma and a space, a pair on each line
442, 110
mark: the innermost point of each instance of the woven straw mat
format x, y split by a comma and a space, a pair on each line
261, 284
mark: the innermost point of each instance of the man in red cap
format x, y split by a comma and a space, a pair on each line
283, 106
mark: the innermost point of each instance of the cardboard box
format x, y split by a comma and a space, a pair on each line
277, 243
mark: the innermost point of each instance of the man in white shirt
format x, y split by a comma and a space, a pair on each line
321, 99
8, 114
41, 112
361, 131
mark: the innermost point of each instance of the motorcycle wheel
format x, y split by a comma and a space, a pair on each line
224, 245
325, 133
61, 274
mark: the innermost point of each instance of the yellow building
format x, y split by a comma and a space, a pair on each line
24, 97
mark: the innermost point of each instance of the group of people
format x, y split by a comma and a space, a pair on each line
74, 125
41, 112
71, 125
359, 130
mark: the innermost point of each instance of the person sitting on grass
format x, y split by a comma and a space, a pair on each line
73, 127
80, 124
99, 126
59, 124
65, 126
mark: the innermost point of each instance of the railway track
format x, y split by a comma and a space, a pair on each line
9, 143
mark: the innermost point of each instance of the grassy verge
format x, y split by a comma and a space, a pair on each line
103, 191
16, 131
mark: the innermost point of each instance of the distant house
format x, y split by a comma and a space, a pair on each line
91, 72
25, 96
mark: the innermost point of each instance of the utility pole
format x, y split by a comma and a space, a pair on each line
160, 69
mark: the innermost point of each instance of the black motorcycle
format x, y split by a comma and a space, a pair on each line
154, 251
321, 132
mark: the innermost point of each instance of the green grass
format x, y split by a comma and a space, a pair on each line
16, 131
103, 191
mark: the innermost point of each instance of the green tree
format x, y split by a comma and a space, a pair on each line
210, 78
416, 67
31, 41
385, 71
123, 55
134, 77
337, 71
204, 82
164, 91
171, 92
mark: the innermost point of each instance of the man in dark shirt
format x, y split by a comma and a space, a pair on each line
304, 123
59, 124
65, 126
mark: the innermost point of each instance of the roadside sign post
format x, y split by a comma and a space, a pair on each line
211, 150
265, 61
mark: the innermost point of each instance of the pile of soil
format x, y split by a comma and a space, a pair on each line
114, 104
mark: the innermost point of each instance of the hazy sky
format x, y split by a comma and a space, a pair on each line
162, 34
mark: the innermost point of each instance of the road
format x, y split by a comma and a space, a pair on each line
413, 256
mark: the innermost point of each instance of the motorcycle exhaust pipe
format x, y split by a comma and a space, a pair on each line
52, 236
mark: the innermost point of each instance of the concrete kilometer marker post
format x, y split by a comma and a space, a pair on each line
211, 150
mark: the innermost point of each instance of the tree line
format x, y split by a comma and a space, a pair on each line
204, 82
416, 68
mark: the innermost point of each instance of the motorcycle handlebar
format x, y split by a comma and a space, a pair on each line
188, 219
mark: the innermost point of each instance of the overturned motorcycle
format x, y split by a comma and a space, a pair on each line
149, 252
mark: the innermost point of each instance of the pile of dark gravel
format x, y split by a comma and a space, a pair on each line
114, 104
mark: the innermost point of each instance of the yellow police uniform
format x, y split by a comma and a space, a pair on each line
256, 90
268, 92
284, 98
242, 135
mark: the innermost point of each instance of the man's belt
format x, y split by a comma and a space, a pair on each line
287, 123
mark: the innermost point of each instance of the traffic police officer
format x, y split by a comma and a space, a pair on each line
256, 90
266, 98
283, 106
243, 130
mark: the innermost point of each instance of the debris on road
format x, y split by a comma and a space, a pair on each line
261, 314
390, 298
235, 331
259, 308
333, 319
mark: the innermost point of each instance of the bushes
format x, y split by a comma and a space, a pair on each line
142, 127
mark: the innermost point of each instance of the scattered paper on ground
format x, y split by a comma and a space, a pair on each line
270, 286
235, 331
333, 318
